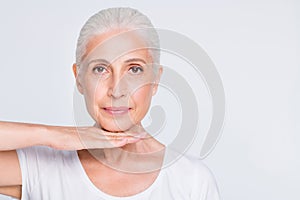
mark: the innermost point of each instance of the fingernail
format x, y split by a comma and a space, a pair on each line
133, 140
141, 135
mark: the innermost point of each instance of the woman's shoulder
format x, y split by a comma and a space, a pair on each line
42, 154
42, 150
189, 174
183, 160
189, 166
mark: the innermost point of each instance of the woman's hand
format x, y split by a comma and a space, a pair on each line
77, 138
14, 135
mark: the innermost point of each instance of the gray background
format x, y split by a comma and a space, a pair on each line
255, 46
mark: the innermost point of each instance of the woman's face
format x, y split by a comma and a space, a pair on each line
117, 80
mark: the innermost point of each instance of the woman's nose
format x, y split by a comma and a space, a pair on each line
117, 87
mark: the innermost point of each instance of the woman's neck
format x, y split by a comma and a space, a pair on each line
146, 155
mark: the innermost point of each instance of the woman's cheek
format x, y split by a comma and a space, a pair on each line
142, 99
93, 94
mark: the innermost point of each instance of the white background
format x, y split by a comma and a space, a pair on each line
255, 46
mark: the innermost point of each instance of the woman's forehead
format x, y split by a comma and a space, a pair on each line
116, 45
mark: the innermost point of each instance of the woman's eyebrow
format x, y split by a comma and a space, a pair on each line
99, 60
135, 60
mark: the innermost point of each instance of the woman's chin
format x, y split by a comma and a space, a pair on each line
115, 127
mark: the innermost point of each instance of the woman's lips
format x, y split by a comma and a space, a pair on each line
117, 110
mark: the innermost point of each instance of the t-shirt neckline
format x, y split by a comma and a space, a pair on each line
102, 194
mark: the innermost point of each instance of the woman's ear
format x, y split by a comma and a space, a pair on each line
78, 84
157, 79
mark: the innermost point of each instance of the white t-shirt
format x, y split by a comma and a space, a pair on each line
49, 174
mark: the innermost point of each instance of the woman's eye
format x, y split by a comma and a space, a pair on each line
136, 69
99, 70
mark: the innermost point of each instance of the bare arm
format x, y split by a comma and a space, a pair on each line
14, 136
19, 135
13, 191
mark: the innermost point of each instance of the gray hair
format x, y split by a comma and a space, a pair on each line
118, 18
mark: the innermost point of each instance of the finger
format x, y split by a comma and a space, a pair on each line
131, 133
116, 143
136, 134
141, 135
133, 140
115, 134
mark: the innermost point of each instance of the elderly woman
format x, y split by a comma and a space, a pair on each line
117, 71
